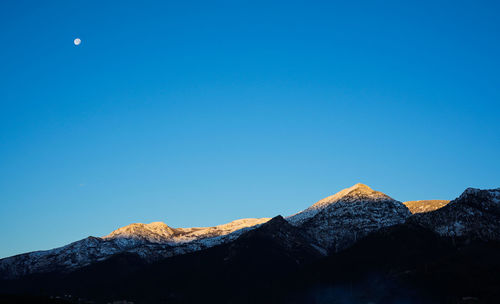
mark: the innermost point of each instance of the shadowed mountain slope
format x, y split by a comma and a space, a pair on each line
237, 271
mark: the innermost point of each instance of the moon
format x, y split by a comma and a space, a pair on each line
77, 41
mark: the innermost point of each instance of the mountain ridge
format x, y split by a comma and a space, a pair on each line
159, 232
152, 242
337, 222
368, 237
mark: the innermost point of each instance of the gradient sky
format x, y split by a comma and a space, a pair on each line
198, 113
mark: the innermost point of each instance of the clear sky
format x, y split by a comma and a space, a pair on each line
198, 113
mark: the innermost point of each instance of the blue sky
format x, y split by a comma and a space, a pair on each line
198, 113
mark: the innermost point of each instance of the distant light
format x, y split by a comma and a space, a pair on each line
77, 41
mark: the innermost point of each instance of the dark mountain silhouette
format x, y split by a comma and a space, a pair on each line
236, 271
405, 263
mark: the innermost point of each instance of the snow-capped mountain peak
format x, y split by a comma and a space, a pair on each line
159, 232
155, 232
357, 193
338, 221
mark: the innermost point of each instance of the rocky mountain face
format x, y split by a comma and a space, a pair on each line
151, 242
356, 193
474, 215
338, 221
425, 205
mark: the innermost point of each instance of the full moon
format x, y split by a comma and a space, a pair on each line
77, 41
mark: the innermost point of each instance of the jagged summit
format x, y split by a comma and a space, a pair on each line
357, 193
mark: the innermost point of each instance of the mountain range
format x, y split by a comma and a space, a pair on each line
356, 246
